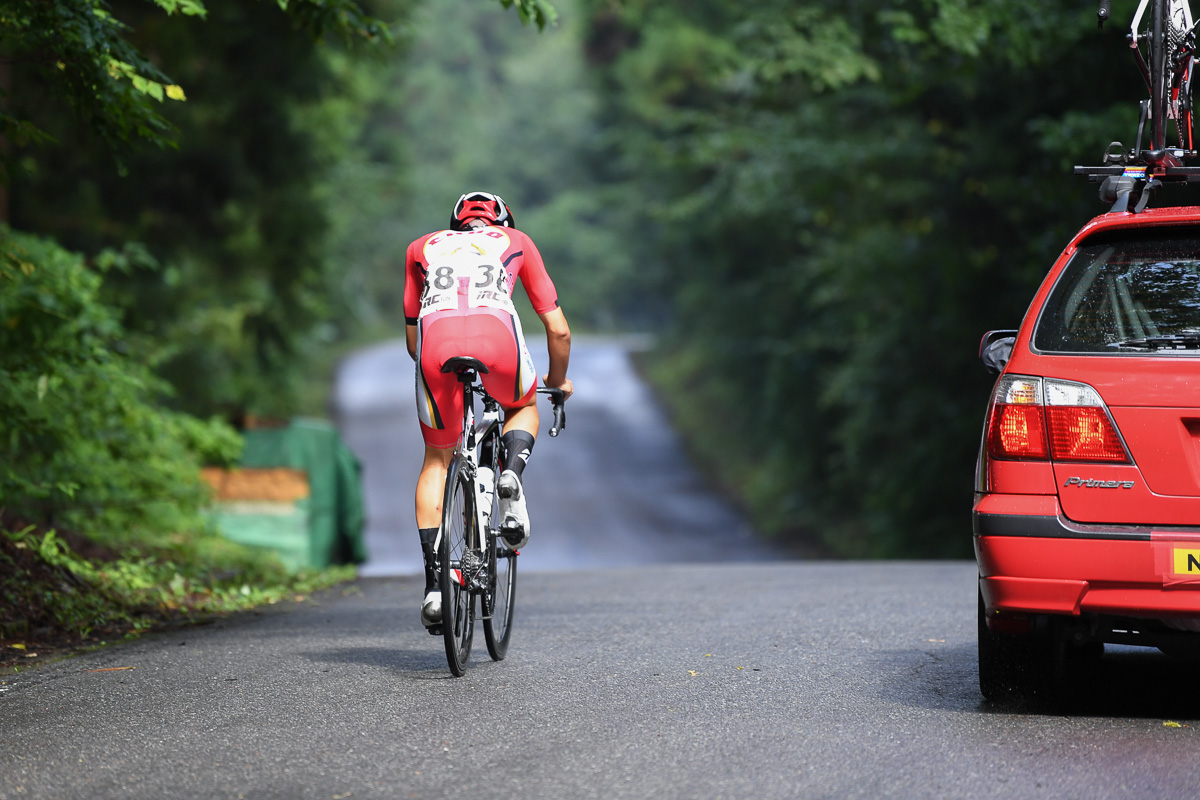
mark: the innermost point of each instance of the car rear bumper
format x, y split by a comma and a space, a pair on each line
1042, 563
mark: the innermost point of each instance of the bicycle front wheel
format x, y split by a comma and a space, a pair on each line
501, 582
497, 627
1181, 101
459, 558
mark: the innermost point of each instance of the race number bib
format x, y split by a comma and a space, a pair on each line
466, 263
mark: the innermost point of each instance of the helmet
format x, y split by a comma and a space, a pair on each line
481, 205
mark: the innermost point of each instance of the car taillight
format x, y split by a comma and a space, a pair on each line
1017, 428
1045, 419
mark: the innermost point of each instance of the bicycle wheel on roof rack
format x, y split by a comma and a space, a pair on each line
459, 560
1181, 89
1160, 93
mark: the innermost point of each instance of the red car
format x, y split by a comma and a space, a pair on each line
1087, 490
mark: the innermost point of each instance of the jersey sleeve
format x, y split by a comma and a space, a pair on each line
414, 281
538, 286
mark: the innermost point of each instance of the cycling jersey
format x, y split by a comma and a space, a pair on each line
496, 256
458, 292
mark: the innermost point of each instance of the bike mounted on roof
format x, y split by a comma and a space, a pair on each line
1165, 51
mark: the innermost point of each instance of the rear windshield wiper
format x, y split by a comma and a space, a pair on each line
1190, 341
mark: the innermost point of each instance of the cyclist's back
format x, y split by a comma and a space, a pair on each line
465, 308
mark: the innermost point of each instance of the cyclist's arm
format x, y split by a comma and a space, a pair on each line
558, 344
414, 285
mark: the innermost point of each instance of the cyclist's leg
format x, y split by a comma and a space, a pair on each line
517, 444
430, 485
520, 434
439, 408
512, 380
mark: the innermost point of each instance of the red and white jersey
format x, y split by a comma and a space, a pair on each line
474, 269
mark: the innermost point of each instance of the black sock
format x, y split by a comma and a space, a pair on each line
517, 447
428, 535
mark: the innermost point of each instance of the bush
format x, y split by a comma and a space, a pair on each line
84, 442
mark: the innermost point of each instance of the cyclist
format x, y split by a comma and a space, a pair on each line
457, 302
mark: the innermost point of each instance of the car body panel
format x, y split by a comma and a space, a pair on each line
1165, 444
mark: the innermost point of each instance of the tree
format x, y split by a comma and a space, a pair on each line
846, 197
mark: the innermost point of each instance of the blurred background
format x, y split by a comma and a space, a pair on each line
811, 210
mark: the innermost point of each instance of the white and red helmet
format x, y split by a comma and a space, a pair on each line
480, 205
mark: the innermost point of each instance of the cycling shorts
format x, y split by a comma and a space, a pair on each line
489, 335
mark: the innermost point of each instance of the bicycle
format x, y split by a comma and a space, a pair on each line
1129, 178
473, 559
1166, 67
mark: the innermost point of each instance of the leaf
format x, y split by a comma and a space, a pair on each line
17, 646
43, 384
1171, 724
175, 92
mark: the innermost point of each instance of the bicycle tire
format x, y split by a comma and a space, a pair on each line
1184, 119
500, 588
497, 628
1160, 94
1181, 91
459, 538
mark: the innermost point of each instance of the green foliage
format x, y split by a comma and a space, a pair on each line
844, 197
84, 441
84, 55
63, 599
539, 12
236, 215
80, 49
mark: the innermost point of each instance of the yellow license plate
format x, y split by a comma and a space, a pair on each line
1185, 562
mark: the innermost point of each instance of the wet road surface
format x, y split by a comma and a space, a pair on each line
614, 489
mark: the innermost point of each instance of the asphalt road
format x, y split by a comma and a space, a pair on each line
657, 652
838, 680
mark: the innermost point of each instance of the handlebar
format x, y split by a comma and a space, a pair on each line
558, 406
1103, 14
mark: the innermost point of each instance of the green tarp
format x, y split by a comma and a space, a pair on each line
316, 531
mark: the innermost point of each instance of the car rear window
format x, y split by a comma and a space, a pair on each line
1127, 292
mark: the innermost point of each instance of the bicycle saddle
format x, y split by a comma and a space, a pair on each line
464, 363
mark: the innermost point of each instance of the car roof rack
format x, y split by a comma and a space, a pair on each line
1131, 177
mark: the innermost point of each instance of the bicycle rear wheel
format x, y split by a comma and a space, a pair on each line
459, 557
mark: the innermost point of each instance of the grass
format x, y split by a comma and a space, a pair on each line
62, 593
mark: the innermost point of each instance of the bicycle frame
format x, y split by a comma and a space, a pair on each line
474, 434
1173, 71
1181, 5
467, 451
